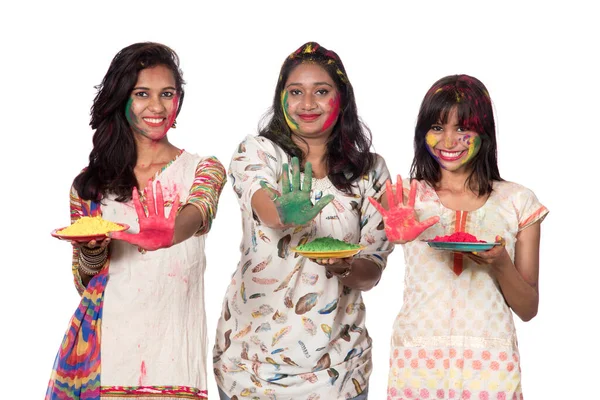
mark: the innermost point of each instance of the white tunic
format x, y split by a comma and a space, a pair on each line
153, 325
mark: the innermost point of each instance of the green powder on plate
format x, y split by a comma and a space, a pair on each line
327, 244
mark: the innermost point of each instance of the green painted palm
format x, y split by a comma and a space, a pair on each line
293, 204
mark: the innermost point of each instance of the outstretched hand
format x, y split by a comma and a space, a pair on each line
401, 224
156, 230
293, 204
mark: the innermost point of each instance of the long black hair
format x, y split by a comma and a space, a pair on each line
113, 157
474, 111
348, 149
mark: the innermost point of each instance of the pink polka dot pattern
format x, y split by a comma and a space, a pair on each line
485, 375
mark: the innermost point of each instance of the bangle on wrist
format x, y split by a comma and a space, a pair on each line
91, 265
93, 251
89, 272
93, 261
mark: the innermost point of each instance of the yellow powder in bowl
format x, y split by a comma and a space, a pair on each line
88, 226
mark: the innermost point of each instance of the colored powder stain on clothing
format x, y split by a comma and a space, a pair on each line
90, 226
327, 244
462, 237
142, 374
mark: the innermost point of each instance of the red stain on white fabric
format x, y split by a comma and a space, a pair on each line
142, 374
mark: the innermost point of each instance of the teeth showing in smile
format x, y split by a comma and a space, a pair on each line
450, 154
154, 120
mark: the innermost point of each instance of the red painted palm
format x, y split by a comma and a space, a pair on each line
401, 223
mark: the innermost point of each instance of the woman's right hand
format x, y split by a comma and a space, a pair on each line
294, 205
401, 224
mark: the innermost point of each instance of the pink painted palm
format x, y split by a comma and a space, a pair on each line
401, 224
156, 230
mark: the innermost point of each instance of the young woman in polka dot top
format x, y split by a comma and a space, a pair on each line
454, 337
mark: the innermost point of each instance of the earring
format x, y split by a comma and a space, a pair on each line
174, 124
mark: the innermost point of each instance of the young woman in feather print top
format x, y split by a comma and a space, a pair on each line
291, 327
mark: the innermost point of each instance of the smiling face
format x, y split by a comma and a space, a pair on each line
310, 101
153, 104
452, 145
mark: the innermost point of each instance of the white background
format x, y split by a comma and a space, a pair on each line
537, 60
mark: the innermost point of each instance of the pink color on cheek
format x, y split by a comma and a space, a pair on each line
335, 110
171, 118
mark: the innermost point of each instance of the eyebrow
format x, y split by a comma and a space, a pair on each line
145, 88
314, 84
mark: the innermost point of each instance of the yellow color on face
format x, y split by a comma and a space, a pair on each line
431, 140
90, 226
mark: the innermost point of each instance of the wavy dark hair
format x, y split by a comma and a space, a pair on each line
348, 149
474, 112
113, 157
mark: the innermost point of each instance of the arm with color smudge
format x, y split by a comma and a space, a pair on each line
401, 224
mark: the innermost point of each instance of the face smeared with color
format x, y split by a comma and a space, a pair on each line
452, 145
310, 101
152, 106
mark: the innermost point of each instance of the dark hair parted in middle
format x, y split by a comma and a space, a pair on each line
348, 149
113, 157
475, 113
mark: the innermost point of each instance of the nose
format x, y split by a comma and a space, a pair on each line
155, 104
450, 140
309, 102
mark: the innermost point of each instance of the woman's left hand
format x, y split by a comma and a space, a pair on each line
496, 256
156, 230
